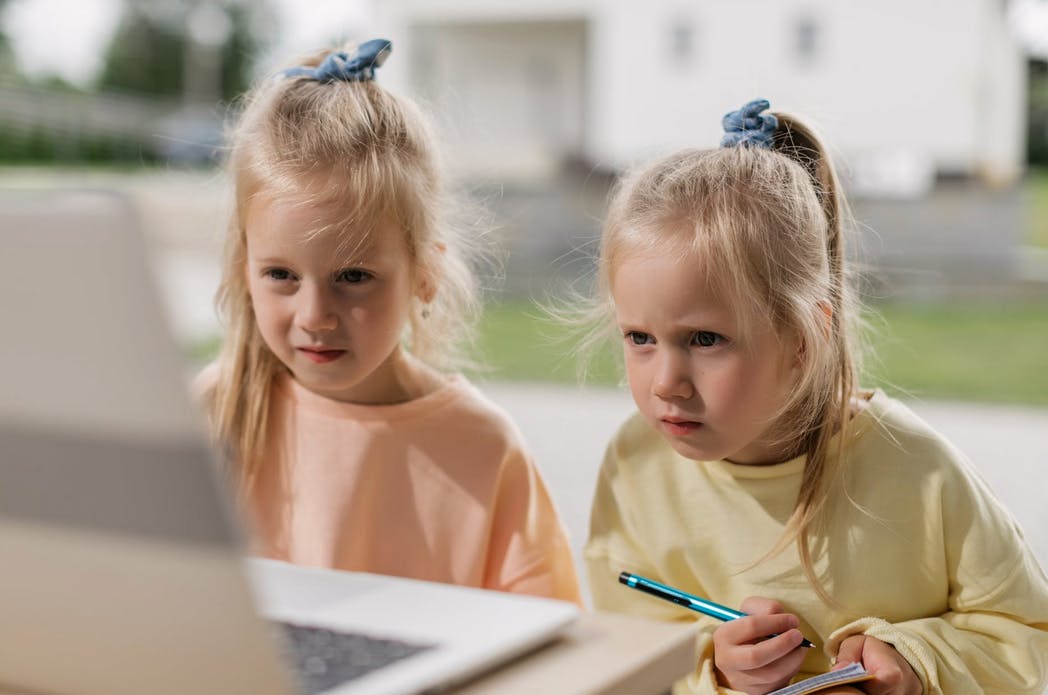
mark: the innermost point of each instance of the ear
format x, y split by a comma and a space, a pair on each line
824, 316
429, 274
426, 290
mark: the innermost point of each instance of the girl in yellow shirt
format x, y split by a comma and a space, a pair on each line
756, 473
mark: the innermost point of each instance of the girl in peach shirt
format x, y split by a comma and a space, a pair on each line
346, 295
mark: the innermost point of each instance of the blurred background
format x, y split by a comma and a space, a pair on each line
937, 110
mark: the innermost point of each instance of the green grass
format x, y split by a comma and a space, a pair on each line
979, 352
1038, 212
975, 352
972, 352
518, 342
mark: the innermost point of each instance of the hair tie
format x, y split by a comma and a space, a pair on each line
339, 65
747, 127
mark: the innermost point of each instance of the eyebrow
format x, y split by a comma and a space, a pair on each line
337, 265
268, 260
695, 322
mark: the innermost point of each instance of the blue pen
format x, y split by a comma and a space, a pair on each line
682, 598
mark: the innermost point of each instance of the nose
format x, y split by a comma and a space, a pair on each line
672, 378
315, 310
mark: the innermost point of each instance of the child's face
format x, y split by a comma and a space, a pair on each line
335, 323
711, 396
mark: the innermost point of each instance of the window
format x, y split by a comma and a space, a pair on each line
806, 39
682, 41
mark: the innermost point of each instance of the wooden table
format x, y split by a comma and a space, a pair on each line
602, 654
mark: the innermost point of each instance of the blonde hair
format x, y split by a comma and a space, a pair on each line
370, 154
767, 227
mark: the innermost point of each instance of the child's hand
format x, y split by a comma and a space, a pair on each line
892, 674
746, 659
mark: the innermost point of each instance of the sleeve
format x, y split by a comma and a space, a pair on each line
993, 638
528, 549
615, 546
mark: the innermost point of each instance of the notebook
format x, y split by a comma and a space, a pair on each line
122, 570
852, 673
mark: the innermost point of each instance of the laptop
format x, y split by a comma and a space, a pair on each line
122, 565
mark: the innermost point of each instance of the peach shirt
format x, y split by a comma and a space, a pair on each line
438, 488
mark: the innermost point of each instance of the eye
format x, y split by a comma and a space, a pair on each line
638, 338
279, 274
353, 276
706, 338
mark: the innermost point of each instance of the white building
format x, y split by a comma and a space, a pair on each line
903, 89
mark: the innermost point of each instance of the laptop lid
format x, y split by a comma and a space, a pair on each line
122, 571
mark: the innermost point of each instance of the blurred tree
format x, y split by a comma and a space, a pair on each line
150, 51
7, 58
144, 56
246, 38
1037, 121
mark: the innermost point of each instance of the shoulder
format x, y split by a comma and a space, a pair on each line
204, 382
895, 447
920, 484
890, 430
470, 413
493, 449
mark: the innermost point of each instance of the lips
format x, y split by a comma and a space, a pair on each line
679, 426
321, 355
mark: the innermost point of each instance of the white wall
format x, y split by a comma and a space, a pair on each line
1003, 117
892, 74
508, 94
507, 91
941, 81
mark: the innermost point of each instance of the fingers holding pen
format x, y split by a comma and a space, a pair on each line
747, 659
756, 650
747, 639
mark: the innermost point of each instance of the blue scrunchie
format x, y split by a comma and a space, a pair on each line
748, 127
339, 65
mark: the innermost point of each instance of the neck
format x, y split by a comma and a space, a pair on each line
410, 378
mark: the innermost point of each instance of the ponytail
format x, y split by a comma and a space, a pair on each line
797, 141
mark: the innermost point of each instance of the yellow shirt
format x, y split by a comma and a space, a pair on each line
918, 552
439, 488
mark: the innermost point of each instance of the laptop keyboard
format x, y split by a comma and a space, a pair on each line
325, 658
